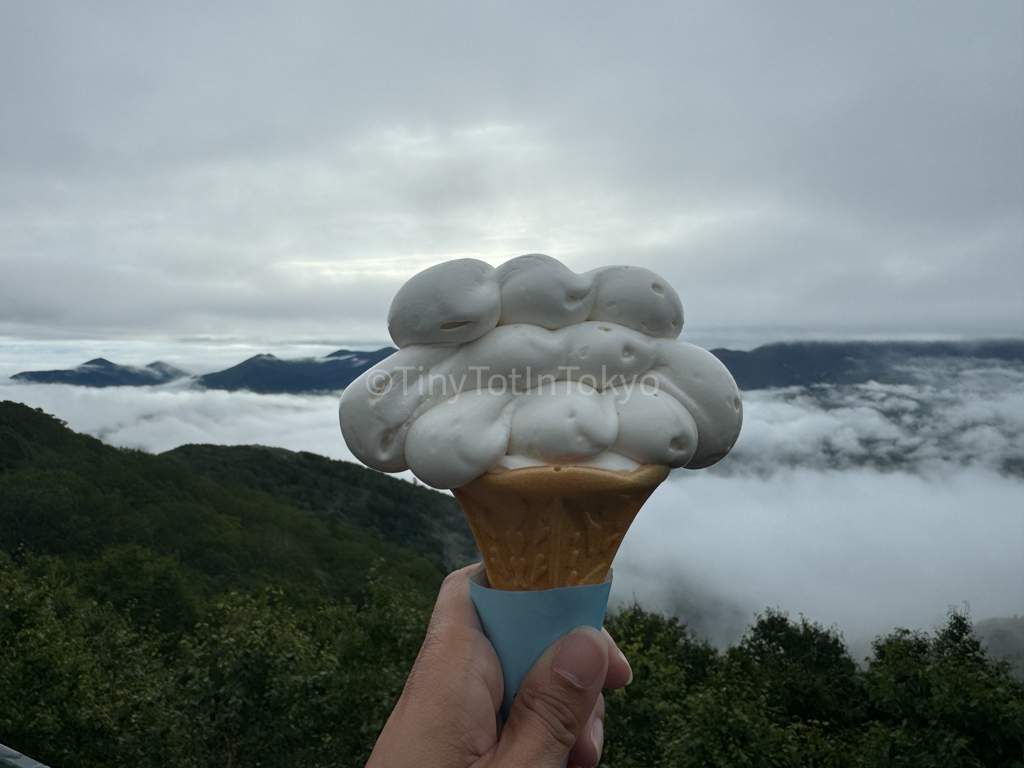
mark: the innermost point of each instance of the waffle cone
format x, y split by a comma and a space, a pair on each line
547, 527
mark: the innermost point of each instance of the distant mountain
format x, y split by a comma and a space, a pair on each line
103, 373
263, 374
266, 374
785, 364
790, 364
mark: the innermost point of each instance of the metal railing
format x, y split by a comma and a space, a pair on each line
11, 759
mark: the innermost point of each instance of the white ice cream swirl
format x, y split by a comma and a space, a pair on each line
530, 364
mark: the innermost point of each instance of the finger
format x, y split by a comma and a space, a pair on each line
586, 752
555, 702
620, 674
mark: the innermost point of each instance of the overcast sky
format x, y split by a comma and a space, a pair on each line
274, 171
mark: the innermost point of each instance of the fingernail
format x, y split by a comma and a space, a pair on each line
597, 737
581, 657
628, 666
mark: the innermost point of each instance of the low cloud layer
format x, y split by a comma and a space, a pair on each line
956, 415
159, 419
859, 549
867, 507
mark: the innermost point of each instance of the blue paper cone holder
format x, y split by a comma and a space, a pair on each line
522, 625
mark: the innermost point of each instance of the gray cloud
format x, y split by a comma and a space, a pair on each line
255, 170
959, 414
864, 551
166, 417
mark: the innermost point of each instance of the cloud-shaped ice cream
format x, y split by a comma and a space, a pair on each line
531, 364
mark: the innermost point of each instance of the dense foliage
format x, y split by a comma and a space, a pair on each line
248, 607
789, 694
255, 681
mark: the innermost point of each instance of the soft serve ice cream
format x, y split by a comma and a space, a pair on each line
552, 404
529, 365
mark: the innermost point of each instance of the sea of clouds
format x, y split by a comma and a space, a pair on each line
864, 506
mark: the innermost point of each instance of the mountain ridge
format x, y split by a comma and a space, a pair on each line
100, 372
775, 365
267, 374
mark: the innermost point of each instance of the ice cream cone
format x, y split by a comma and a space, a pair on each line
548, 527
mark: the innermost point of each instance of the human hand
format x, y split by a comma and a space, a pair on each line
447, 716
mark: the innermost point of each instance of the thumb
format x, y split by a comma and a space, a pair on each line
555, 701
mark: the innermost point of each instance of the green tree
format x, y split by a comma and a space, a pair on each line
804, 671
80, 688
667, 662
151, 589
262, 683
944, 702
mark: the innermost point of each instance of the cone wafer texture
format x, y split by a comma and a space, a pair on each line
550, 526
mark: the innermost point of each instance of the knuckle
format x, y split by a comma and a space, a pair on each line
451, 580
553, 714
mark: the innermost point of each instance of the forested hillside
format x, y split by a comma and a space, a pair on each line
429, 523
70, 495
248, 606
